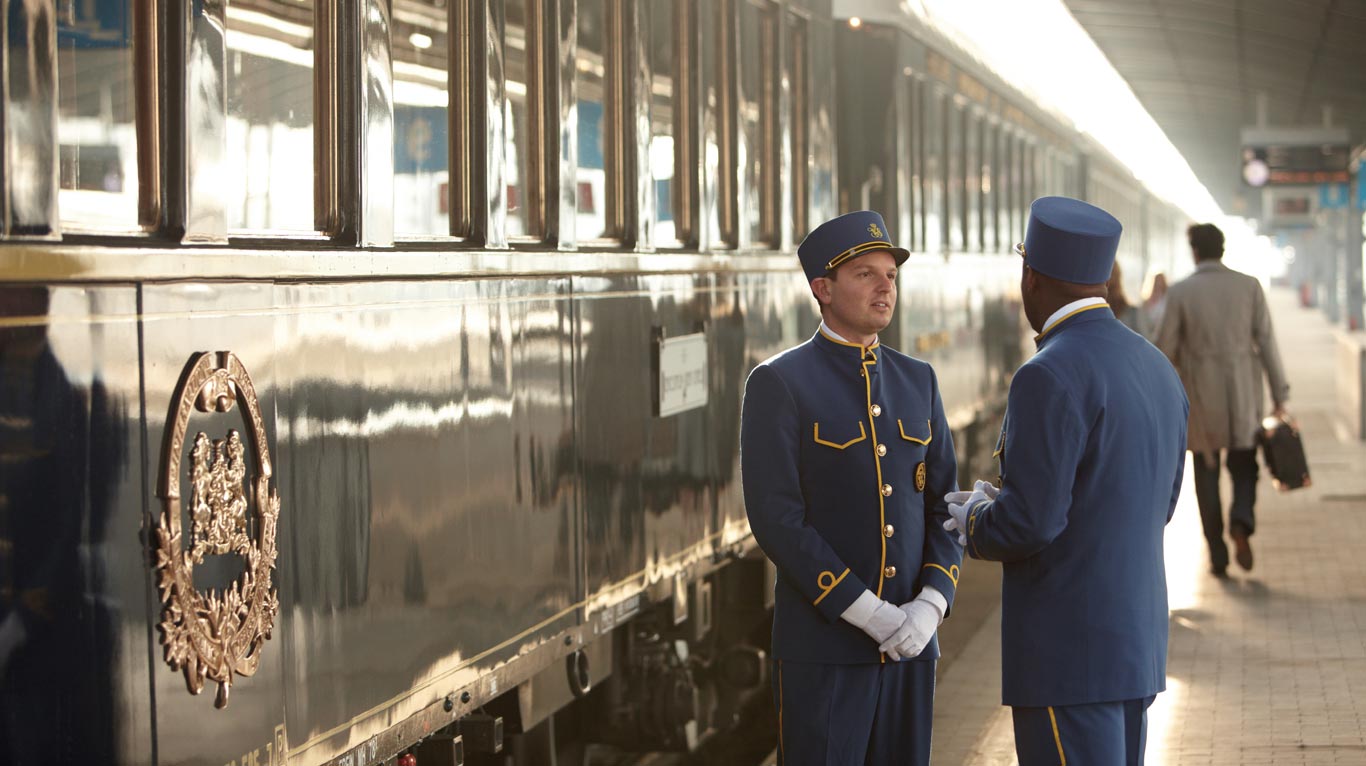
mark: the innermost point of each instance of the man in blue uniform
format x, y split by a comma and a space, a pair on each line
1091, 455
845, 457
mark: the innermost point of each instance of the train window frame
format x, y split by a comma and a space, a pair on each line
935, 155
681, 25
797, 65
148, 101
457, 168
763, 233
955, 188
915, 124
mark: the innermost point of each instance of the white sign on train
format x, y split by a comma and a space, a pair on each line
682, 374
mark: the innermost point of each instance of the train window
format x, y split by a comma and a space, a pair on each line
521, 157
270, 116
422, 171
1001, 189
598, 168
758, 144
955, 130
799, 85
915, 238
936, 202
669, 141
716, 58
96, 113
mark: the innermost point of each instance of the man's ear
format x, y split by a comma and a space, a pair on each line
820, 287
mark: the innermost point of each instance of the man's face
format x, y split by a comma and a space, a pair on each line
863, 296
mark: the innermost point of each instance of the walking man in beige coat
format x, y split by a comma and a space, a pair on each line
1216, 330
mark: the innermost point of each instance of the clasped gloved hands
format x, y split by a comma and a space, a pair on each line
922, 620
885, 621
962, 503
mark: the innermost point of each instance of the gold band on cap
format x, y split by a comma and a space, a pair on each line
1019, 249
857, 250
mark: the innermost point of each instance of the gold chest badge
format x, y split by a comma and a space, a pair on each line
920, 476
215, 635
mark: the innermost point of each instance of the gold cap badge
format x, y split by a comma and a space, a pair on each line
874, 230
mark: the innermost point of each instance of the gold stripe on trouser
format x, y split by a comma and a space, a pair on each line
1057, 739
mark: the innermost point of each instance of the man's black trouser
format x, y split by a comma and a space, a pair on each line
1242, 467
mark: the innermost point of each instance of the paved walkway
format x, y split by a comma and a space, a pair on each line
1268, 667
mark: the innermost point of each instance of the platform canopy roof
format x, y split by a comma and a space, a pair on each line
1198, 66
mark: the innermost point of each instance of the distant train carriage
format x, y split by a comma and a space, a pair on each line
372, 370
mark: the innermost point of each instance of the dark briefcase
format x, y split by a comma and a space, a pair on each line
1283, 453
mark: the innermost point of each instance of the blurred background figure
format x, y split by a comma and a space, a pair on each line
1154, 300
1125, 311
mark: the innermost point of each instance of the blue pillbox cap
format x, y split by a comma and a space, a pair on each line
844, 238
1071, 240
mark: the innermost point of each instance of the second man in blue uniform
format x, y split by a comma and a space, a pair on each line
1091, 455
845, 459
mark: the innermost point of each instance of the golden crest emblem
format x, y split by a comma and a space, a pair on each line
874, 230
215, 635
920, 477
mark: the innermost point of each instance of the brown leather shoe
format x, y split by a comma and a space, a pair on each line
1242, 549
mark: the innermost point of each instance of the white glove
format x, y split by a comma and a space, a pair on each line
922, 620
883, 623
961, 503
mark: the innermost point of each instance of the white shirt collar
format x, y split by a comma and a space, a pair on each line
825, 328
1068, 309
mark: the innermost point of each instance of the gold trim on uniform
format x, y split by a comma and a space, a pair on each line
827, 581
953, 571
1057, 738
858, 250
816, 434
1054, 326
929, 431
877, 463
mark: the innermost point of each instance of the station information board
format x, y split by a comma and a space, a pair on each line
1289, 165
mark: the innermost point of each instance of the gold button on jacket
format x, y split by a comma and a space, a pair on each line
886, 490
888, 530
882, 450
889, 572
877, 410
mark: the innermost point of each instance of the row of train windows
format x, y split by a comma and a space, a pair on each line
270, 130
973, 177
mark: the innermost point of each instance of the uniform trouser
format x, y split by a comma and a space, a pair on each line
854, 715
1103, 734
1242, 467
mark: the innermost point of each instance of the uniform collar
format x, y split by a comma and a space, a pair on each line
832, 341
1212, 264
1072, 309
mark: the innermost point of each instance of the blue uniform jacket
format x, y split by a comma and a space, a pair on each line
1092, 452
845, 458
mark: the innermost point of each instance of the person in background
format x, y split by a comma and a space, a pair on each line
1125, 311
1155, 300
1217, 331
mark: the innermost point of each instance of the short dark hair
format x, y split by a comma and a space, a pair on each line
1206, 240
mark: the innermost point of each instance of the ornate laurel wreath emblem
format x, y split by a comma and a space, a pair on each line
214, 635
874, 230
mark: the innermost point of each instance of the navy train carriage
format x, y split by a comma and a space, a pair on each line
372, 370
